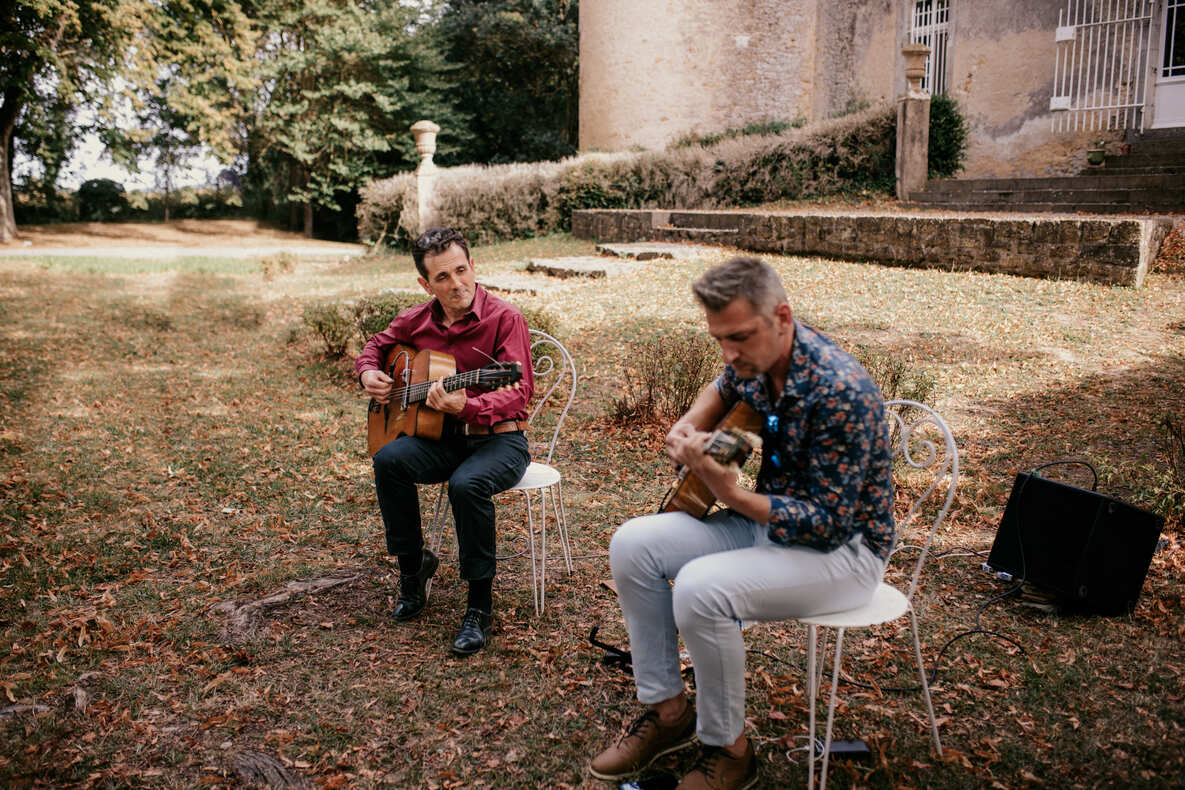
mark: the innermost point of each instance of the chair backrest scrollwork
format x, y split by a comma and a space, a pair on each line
924, 456
555, 378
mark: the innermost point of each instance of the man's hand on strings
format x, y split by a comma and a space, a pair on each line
447, 402
685, 445
378, 385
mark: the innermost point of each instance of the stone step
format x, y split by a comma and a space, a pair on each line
1109, 250
645, 251
1037, 193
1168, 197
520, 283
584, 266
1053, 208
1158, 148
672, 234
1102, 181
1122, 168
1145, 160
701, 220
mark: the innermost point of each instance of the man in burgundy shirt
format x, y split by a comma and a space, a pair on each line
483, 449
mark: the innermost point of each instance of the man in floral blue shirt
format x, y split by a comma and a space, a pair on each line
812, 538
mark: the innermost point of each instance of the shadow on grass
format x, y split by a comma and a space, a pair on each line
1112, 419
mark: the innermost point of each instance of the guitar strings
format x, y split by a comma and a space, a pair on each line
421, 388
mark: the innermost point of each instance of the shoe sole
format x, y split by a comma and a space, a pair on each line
457, 652
669, 750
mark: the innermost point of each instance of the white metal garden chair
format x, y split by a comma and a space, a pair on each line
922, 444
555, 389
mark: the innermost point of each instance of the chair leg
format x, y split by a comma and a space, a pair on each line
836, 661
562, 519
542, 549
531, 543
436, 538
812, 689
917, 649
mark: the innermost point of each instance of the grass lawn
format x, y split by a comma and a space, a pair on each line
170, 440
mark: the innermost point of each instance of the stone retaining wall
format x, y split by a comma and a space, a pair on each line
1110, 251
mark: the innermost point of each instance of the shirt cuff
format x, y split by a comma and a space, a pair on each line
468, 413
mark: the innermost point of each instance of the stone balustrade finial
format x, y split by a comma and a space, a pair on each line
425, 134
915, 69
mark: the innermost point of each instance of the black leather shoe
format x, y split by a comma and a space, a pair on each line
472, 636
412, 598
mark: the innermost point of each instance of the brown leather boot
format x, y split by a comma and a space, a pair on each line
716, 769
644, 741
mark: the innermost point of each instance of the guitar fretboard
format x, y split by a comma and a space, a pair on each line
417, 393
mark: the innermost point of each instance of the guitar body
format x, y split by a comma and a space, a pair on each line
386, 422
414, 373
690, 494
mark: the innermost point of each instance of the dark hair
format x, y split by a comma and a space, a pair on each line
751, 278
433, 242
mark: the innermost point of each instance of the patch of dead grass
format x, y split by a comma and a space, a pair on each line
153, 472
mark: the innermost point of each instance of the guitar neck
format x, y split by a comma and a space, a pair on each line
417, 393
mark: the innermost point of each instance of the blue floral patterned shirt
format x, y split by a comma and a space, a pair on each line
825, 462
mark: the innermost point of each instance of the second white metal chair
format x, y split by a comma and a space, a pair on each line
922, 446
555, 389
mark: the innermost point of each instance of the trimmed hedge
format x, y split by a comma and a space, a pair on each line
495, 203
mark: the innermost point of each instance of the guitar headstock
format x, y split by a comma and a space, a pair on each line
500, 374
731, 445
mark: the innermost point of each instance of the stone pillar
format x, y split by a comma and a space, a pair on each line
913, 124
425, 134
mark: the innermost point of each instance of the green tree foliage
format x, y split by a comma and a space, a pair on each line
102, 199
519, 76
64, 46
948, 137
193, 81
46, 132
343, 81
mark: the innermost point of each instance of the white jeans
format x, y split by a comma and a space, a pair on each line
725, 570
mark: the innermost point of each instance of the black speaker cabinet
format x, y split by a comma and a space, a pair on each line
1092, 549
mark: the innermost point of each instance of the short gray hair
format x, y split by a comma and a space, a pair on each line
749, 277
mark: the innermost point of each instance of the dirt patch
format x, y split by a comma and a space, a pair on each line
182, 233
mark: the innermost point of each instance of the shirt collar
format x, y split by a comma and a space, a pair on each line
477, 309
797, 383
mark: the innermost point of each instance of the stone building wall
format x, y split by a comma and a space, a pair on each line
1001, 73
858, 58
652, 70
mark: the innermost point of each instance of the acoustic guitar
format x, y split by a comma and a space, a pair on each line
732, 441
414, 373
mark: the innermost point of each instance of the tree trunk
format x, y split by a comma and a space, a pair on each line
8, 113
293, 183
308, 219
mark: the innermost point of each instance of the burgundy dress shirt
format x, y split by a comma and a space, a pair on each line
492, 327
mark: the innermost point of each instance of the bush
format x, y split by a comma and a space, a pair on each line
329, 323
33, 207
667, 371
948, 137
762, 128
101, 200
543, 320
894, 377
280, 263
373, 314
495, 203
